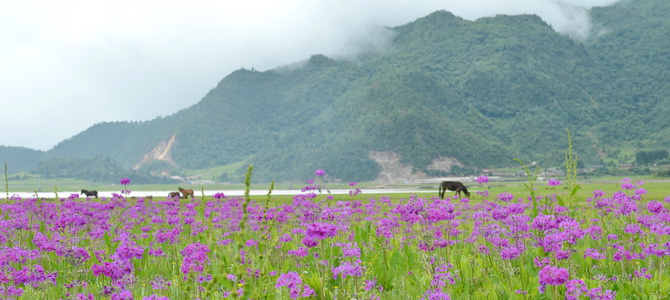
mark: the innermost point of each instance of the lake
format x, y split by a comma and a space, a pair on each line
159, 194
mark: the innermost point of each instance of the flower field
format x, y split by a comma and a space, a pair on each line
612, 245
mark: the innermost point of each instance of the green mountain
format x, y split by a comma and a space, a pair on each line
448, 95
20, 159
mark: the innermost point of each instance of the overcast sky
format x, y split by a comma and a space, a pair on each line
66, 65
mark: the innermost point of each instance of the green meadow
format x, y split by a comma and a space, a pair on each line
608, 240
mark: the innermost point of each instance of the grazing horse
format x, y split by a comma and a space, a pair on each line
186, 192
453, 186
89, 193
173, 195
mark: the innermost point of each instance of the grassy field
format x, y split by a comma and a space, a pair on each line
320, 246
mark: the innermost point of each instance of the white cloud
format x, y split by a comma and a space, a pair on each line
69, 64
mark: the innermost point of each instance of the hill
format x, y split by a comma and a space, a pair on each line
448, 96
20, 159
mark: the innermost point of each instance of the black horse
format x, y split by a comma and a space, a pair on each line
453, 186
90, 193
173, 195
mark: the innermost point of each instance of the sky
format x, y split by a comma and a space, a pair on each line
69, 64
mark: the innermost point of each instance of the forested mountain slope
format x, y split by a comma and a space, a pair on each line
476, 93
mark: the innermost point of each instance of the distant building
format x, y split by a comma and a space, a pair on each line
553, 172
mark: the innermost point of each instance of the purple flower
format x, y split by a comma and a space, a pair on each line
125, 181
553, 275
655, 207
597, 293
309, 242
435, 294
251, 243
505, 197
160, 283
195, 258
122, 295
554, 182
320, 172
285, 238
442, 274
574, 288
542, 262
643, 273
293, 282
371, 284
348, 268
562, 254
632, 229
545, 222
352, 251
155, 297
482, 179
593, 253
301, 252
320, 231
598, 193
126, 252
219, 196
290, 280
510, 253
114, 270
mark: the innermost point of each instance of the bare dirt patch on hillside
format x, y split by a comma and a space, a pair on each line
160, 152
394, 171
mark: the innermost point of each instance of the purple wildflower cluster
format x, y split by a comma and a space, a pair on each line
293, 282
554, 182
125, 182
552, 276
482, 179
354, 190
320, 231
195, 258
348, 268
618, 239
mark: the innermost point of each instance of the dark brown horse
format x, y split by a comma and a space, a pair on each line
186, 192
89, 193
453, 186
173, 195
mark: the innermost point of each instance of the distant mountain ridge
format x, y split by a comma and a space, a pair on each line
448, 96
